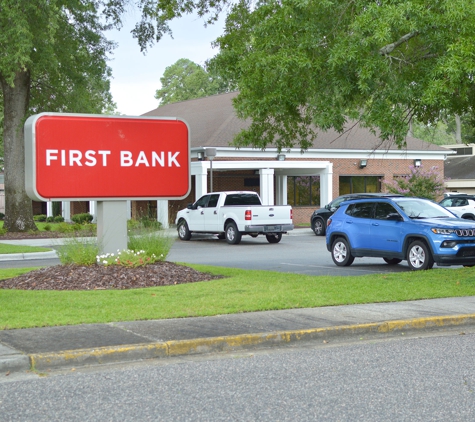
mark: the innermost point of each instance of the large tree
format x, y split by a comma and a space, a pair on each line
186, 80
303, 64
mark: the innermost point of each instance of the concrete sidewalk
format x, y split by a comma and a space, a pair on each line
94, 344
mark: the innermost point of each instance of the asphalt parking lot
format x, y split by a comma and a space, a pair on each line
299, 252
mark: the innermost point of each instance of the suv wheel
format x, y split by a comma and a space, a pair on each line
319, 227
341, 254
419, 256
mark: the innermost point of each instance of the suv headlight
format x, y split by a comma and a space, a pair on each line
442, 231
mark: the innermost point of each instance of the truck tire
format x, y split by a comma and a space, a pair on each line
183, 231
233, 236
274, 238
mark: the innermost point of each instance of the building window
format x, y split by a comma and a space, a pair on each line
303, 190
358, 184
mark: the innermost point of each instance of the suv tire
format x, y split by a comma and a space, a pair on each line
319, 227
419, 256
341, 254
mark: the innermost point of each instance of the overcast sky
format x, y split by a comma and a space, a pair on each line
136, 77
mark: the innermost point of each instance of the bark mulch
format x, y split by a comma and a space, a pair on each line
99, 277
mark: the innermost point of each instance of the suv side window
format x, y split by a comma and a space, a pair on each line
383, 210
360, 210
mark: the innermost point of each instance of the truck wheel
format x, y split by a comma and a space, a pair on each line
319, 227
419, 256
274, 238
233, 237
183, 231
341, 254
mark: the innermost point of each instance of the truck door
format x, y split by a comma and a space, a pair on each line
211, 214
196, 215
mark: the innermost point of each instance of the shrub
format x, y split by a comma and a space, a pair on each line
47, 227
65, 228
424, 184
82, 218
128, 258
49, 219
39, 217
58, 219
2, 216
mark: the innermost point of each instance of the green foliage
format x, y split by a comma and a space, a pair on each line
40, 217
78, 251
424, 184
47, 227
83, 218
58, 219
384, 63
186, 80
50, 219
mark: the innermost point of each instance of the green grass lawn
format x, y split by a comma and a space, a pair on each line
240, 291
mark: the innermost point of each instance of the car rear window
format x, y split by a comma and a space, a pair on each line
242, 199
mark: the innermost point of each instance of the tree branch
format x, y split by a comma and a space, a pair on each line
388, 49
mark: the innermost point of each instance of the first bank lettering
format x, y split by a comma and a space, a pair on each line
103, 158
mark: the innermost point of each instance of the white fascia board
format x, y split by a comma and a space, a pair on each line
331, 154
280, 167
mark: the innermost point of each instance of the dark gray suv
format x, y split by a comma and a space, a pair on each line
318, 220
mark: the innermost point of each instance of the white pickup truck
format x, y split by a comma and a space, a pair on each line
231, 215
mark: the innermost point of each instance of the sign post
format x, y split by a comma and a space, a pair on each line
109, 159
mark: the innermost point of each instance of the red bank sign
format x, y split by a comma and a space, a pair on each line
94, 157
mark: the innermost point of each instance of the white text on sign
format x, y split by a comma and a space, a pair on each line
92, 158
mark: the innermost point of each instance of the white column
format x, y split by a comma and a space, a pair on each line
93, 210
267, 186
66, 211
49, 209
201, 180
281, 189
162, 212
326, 185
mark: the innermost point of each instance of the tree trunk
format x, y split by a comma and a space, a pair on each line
18, 206
458, 129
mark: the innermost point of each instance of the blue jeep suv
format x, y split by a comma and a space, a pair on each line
402, 228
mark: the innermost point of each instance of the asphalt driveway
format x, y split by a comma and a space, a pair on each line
299, 252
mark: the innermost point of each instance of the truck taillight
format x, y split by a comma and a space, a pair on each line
248, 215
291, 214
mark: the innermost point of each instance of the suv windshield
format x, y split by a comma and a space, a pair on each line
415, 208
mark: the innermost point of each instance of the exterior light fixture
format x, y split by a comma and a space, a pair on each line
417, 162
210, 153
363, 164
281, 157
200, 155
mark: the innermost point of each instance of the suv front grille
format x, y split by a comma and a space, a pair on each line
465, 232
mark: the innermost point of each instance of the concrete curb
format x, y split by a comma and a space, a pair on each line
135, 352
27, 256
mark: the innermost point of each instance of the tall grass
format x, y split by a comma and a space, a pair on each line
148, 240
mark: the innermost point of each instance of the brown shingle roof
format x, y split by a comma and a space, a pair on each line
213, 123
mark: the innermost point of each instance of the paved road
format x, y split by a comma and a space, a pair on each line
300, 252
410, 379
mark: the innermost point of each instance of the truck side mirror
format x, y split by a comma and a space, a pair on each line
189, 206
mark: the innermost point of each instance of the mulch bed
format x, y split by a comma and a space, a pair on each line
99, 277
